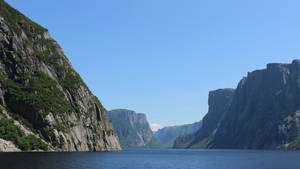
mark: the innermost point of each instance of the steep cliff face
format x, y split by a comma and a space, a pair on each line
264, 113
265, 110
218, 101
43, 100
167, 135
132, 128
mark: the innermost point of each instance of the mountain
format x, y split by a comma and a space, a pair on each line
265, 110
132, 128
264, 113
167, 135
44, 103
218, 102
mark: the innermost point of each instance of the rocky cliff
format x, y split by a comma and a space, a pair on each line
265, 110
264, 113
167, 135
218, 102
44, 104
132, 128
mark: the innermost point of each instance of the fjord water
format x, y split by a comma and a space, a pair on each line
154, 159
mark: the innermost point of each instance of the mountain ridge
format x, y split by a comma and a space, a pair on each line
167, 135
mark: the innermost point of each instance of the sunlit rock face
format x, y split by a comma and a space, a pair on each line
42, 97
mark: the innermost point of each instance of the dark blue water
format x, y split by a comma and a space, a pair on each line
154, 159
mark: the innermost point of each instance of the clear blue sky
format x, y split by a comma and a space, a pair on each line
162, 57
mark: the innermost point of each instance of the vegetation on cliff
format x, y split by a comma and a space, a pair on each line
40, 89
10, 131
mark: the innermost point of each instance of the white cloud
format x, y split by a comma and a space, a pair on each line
155, 127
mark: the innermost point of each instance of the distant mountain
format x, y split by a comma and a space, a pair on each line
264, 113
167, 135
132, 128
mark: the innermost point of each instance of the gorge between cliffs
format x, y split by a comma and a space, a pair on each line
149, 84
46, 106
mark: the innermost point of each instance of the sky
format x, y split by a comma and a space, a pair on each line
162, 57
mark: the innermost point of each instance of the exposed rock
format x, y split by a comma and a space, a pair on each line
7, 146
264, 113
43, 93
132, 128
218, 102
